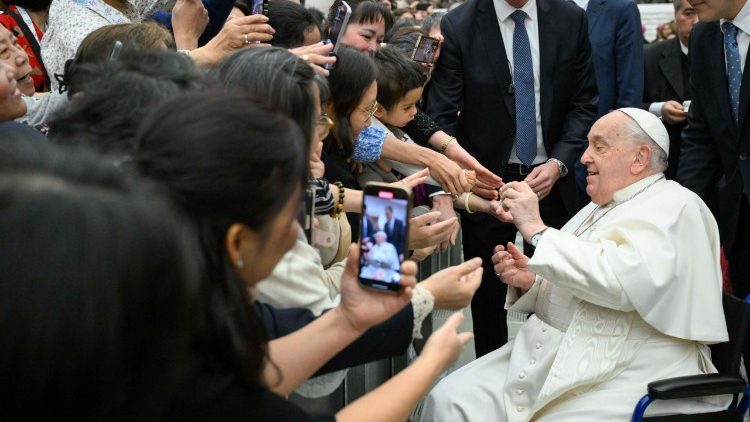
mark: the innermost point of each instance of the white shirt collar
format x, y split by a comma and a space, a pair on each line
504, 10
741, 21
628, 192
684, 48
583, 4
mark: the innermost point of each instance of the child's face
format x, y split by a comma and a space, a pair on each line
403, 111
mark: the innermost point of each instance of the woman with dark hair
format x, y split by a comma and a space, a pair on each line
367, 25
233, 189
295, 26
98, 282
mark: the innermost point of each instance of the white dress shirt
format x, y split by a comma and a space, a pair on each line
507, 26
742, 22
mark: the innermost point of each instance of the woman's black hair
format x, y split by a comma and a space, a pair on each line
348, 81
405, 39
117, 97
368, 11
98, 287
291, 22
400, 24
224, 159
283, 80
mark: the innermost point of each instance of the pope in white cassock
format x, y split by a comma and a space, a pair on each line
627, 292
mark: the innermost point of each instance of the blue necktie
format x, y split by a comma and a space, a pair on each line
734, 68
523, 80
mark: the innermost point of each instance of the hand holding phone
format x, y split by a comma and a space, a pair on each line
259, 7
338, 19
425, 49
384, 232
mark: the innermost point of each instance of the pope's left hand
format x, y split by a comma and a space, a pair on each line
542, 178
520, 201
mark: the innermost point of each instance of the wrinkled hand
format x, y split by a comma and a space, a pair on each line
425, 230
522, 203
446, 343
232, 38
454, 286
420, 255
444, 204
513, 267
673, 112
449, 174
316, 55
542, 178
412, 180
189, 20
364, 308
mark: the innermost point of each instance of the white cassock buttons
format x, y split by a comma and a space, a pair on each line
538, 346
522, 375
519, 409
519, 391
533, 362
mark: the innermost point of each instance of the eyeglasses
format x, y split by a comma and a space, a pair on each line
324, 126
371, 110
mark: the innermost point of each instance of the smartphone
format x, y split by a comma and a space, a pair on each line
308, 213
338, 18
686, 105
422, 7
425, 49
384, 233
259, 7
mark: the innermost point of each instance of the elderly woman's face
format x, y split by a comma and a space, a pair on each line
11, 104
14, 55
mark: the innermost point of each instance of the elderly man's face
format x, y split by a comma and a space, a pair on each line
609, 158
713, 10
684, 18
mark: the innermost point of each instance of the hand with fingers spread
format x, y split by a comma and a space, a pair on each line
488, 181
512, 267
454, 287
449, 174
425, 230
316, 55
522, 205
189, 20
446, 343
444, 204
364, 308
542, 178
412, 180
237, 33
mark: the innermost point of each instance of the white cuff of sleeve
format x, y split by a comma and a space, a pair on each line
422, 303
440, 192
655, 108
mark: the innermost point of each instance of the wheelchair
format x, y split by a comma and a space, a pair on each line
726, 357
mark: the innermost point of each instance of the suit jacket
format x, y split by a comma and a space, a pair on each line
617, 51
665, 81
714, 155
472, 76
395, 234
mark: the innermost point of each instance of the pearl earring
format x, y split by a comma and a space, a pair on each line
240, 262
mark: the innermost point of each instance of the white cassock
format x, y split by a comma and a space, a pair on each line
626, 294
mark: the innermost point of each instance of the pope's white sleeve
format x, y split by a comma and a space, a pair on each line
582, 267
520, 301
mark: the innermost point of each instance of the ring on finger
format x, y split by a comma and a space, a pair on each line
245, 39
539, 195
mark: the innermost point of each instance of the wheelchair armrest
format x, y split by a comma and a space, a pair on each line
696, 386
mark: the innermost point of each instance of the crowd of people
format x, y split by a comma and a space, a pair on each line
189, 177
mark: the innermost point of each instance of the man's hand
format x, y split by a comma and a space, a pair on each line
316, 55
364, 308
543, 177
513, 267
454, 286
425, 231
189, 20
444, 204
673, 112
522, 203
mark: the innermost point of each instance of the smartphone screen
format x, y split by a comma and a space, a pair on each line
425, 49
259, 7
338, 16
308, 213
383, 236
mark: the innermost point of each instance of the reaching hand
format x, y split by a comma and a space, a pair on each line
488, 179
413, 180
513, 267
454, 287
523, 205
444, 204
189, 20
425, 231
237, 33
316, 55
446, 343
542, 178
449, 174
364, 308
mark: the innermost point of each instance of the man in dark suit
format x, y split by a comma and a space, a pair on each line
667, 84
526, 95
394, 229
716, 143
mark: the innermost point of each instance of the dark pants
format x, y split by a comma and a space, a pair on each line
480, 236
739, 258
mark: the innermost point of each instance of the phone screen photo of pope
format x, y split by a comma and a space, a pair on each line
382, 239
